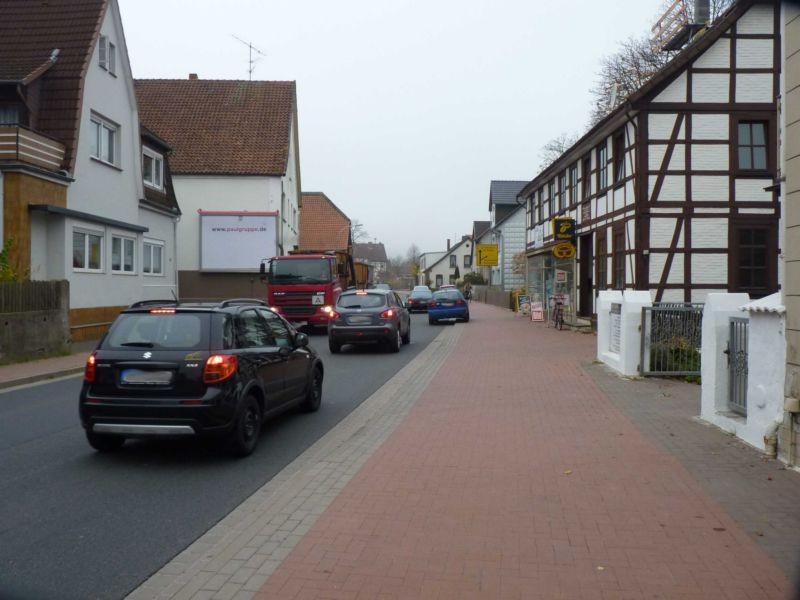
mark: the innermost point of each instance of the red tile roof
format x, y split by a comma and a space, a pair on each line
322, 225
29, 32
220, 127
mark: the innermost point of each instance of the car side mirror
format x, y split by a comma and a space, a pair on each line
301, 340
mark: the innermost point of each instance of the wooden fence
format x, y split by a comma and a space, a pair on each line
492, 295
35, 319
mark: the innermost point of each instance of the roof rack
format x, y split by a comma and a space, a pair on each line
234, 301
141, 303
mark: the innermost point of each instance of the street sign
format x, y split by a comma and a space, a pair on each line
487, 255
564, 250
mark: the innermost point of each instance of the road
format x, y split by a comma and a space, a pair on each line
78, 524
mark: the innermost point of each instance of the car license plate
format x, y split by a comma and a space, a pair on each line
360, 320
142, 377
448, 303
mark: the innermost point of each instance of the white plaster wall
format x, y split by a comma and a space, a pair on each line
161, 229
699, 295
752, 190
709, 188
759, 19
661, 232
718, 56
677, 161
674, 92
709, 233
754, 87
754, 54
657, 263
673, 188
707, 157
710, 127
710, 87
710, 268
198, 192
291, 219
513, 242
671, 296
659, 126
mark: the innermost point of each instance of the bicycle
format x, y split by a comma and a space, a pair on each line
558, 315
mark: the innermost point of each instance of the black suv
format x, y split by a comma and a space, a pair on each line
168, 369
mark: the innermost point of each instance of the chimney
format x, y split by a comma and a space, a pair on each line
192, 76
448, 244
701, 12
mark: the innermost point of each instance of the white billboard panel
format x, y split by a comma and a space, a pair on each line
237, 241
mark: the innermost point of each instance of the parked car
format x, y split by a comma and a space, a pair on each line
418, 300
166, 369
369, 316
447, 304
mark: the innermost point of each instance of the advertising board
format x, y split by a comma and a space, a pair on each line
237, 241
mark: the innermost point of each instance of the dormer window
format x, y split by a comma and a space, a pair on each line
153, 168
107, 52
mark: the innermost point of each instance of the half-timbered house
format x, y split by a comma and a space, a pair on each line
673, 191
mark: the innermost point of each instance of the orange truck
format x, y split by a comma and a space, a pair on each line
304, 287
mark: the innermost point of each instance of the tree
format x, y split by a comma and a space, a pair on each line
555, 148
634, 63
357, 231
412, 258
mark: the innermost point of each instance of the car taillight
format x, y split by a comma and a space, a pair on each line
387, 314
90, 371
219, 368
333, 315
432, 303
459, 301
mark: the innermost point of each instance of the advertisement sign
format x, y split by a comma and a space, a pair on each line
564, 250
561, 276
236, 241
486, 254
523, 304
537, 311
538, 236
563, 228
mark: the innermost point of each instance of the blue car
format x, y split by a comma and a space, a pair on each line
447, 304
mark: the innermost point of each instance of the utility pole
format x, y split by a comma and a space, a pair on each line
251, 61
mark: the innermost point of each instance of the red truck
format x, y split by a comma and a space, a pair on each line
304, 287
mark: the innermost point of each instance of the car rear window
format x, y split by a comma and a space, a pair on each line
362, 300
447, 295
425, 294
178, 331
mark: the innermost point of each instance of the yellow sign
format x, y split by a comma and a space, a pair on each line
564, 250
487, 255
563, 228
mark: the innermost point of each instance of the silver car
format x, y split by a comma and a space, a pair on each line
369, 316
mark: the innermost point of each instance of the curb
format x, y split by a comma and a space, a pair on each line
41, 377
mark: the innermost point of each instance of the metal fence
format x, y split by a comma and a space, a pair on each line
737, 364
671, 339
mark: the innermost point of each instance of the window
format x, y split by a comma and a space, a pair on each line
468, 260
122, 254
10, 115
103, 140
619, 257
540, 205
752, 145
153, 258
439, 281
602, 260
102, 51
754, 264
280, 332
112, 58
87, 251
551, 198
586, 170
573, 184
562, 191
152, 168
252, 330
619, 157
602, 167
453, 260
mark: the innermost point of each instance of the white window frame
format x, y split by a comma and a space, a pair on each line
99, 127
102, 52
86, 232
158, 169
147, 252
124, 241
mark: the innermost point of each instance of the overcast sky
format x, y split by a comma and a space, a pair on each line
407, 108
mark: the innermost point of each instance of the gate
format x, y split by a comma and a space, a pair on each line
737, 364
671, 339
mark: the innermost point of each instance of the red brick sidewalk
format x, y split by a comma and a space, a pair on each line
515, 477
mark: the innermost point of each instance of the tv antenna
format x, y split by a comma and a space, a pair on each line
251, 61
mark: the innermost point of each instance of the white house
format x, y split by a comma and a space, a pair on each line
84, 214
236, 167
426, 260
508, 234
452, 265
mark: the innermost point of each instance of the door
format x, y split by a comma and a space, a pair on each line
586, 299
296, 360
260, 357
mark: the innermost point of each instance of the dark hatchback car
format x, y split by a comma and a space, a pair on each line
165, 369
369, 316
418, 300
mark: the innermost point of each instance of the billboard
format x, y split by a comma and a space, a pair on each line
237, 241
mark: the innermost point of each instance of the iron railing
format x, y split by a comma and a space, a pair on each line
671, 339
737, 364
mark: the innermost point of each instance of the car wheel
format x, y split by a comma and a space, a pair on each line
333, 346
247, 430
313, 397
431, 321
407, 336
104, 443
466, 319
395, 341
